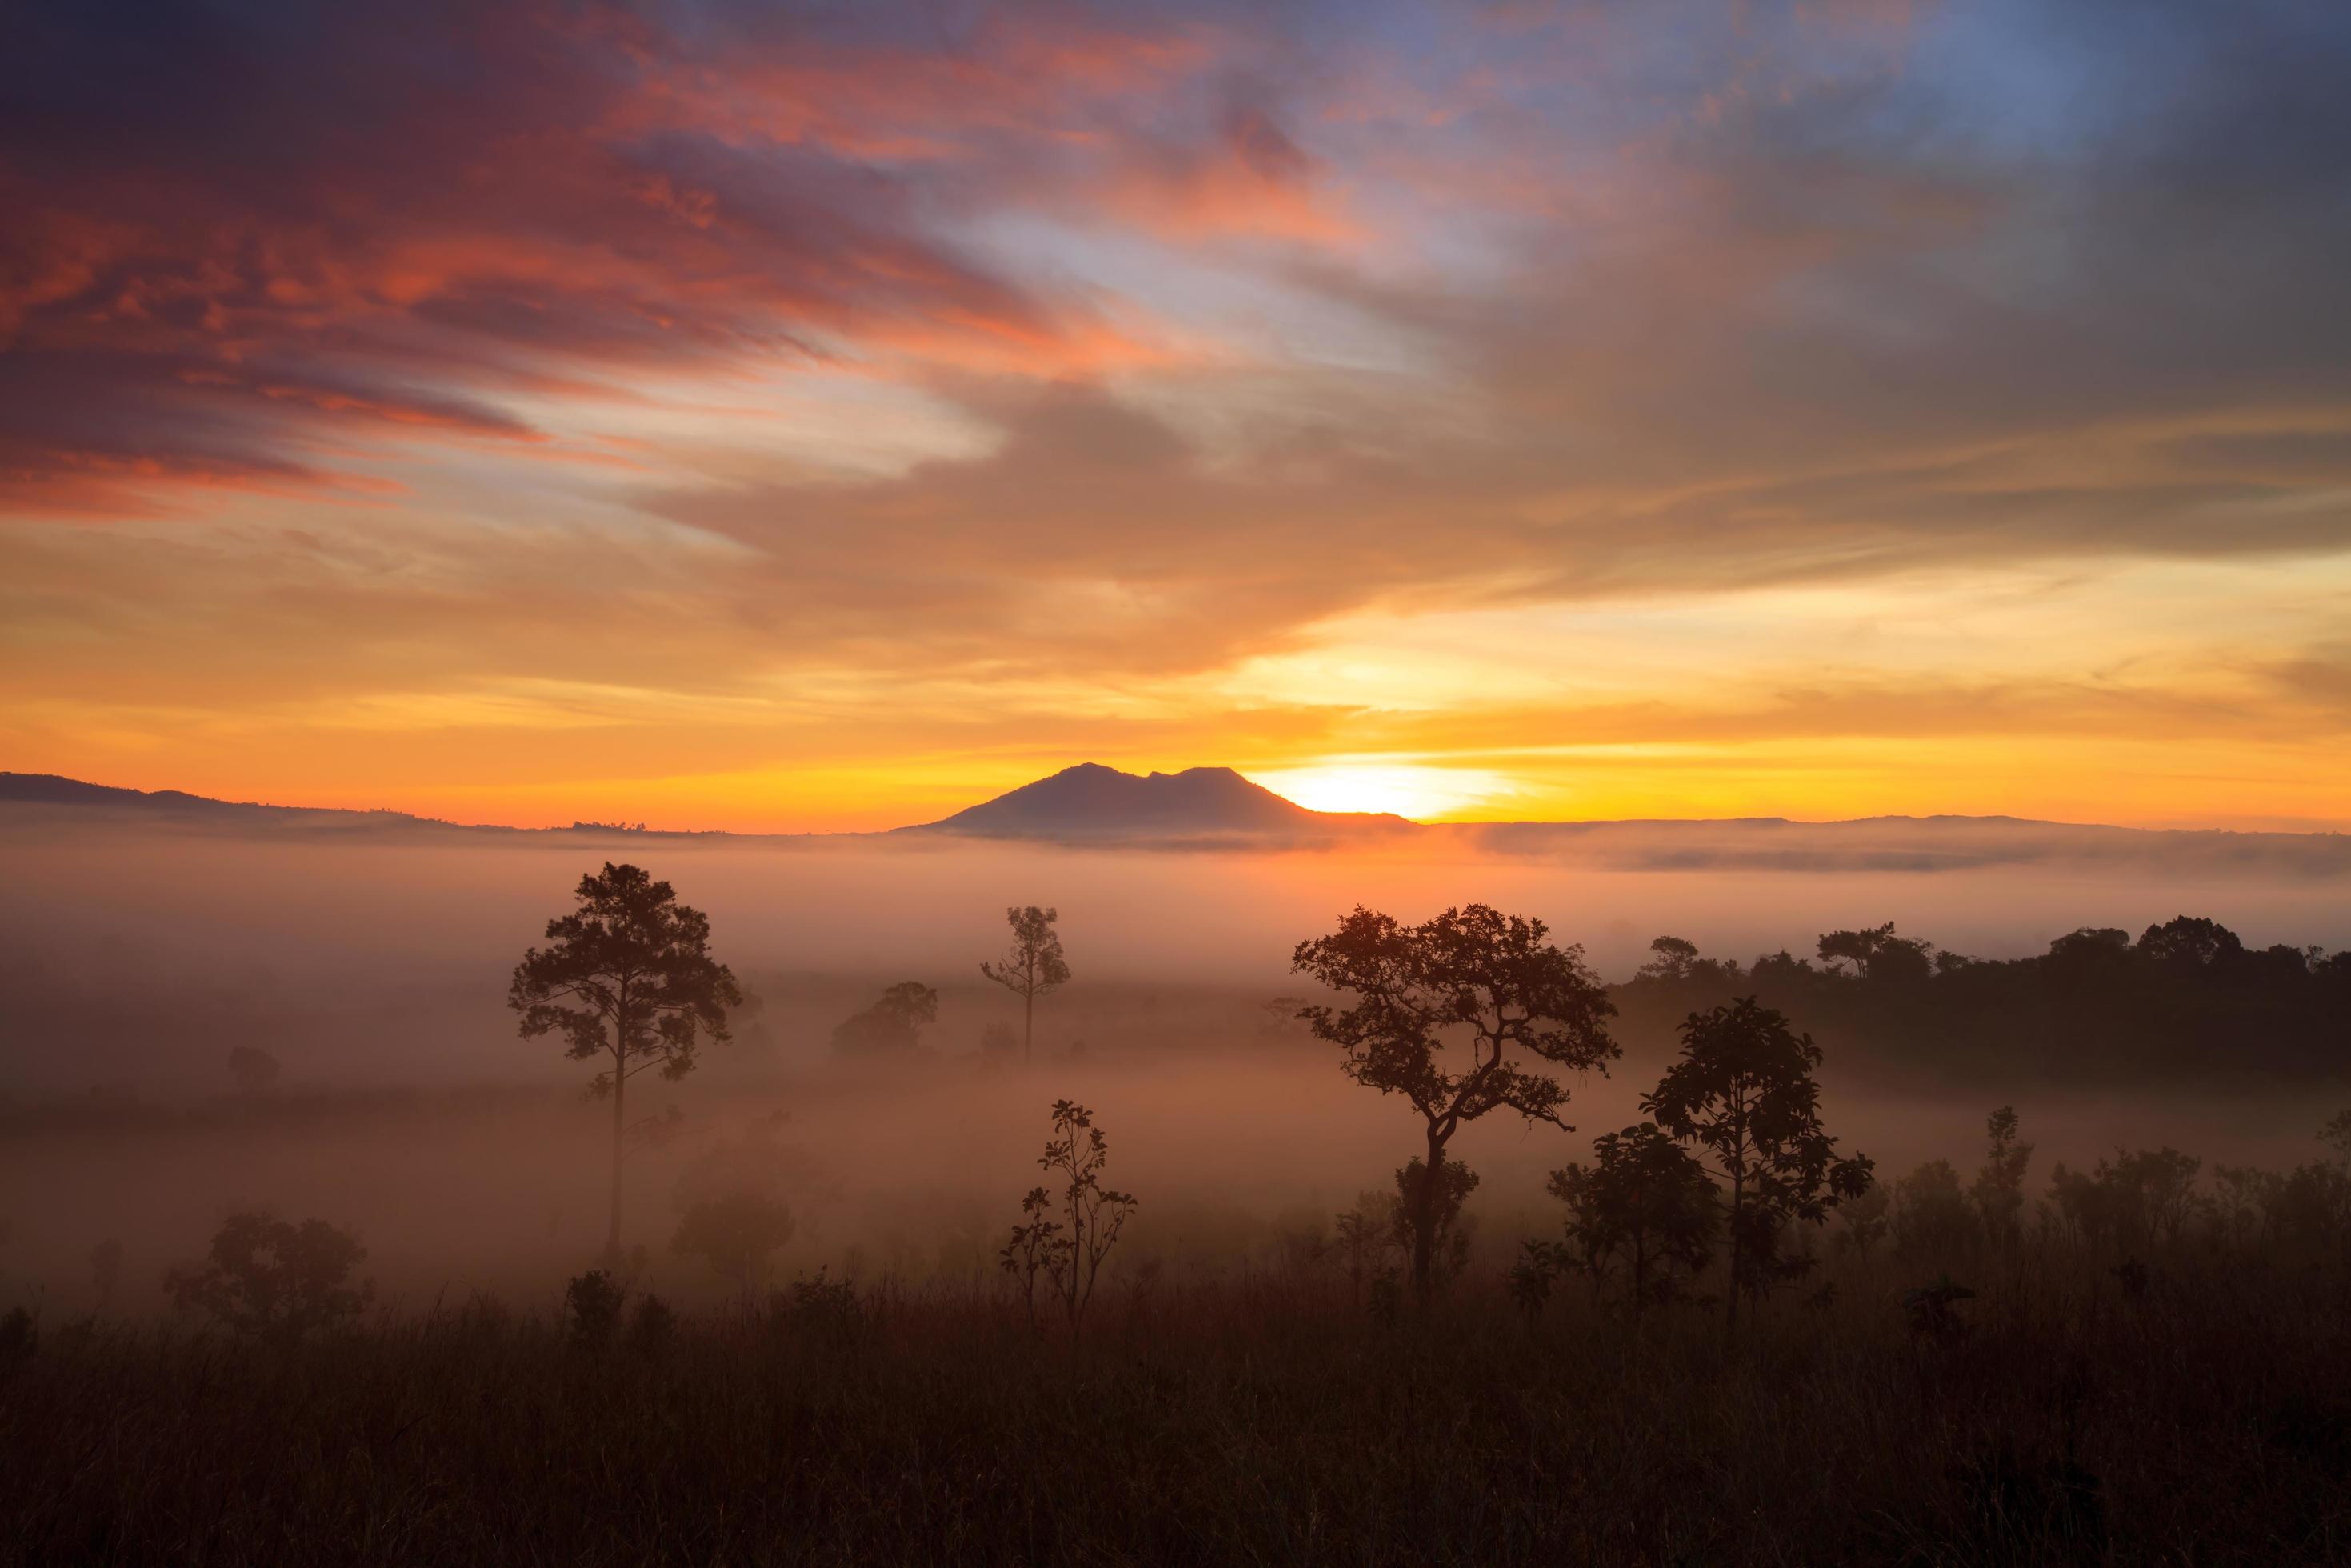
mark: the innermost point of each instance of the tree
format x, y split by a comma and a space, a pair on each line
1864, 1220
1933, 1219
1442, 1007
2336, 1135
735, 1235
1676, 955
1743, 1089
1031, 968
1068, 1250
1644, 1207
2190, 942
1876, 953
1449, 1249
2152, 1194
268, 1279
1036, 1247
253, 1069
629, 976
1365, 1235
1998, 1189
892, 1026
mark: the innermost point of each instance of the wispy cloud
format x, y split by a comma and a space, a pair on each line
1043, 376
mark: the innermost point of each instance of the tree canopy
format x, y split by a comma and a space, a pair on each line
1743, 1091
627, 974
2186, 998
1448, 1013
1032, 967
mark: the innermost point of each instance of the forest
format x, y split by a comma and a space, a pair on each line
2184, 1000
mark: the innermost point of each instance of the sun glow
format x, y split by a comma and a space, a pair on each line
1407, 790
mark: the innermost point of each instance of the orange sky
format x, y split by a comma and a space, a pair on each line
712, 418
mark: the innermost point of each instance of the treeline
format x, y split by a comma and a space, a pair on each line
2186, 999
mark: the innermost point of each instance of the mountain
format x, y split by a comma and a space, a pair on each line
51, 789
1092, 801
40, 793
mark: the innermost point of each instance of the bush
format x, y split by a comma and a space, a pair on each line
268, 1279
592, 1308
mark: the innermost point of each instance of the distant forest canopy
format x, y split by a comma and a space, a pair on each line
2186, 999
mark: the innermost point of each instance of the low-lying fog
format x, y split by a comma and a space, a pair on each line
138, 956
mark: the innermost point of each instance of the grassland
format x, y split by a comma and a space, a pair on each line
2201, 1414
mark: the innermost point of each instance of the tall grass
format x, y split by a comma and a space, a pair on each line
1252, 1418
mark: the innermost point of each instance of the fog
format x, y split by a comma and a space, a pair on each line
374, 968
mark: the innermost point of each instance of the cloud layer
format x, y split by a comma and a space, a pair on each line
689, 391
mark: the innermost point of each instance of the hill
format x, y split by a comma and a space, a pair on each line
1092, 801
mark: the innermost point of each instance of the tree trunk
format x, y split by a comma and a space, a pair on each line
620, 1085
1424, 1225
1738, 1249
1640, 1275
1028, 1027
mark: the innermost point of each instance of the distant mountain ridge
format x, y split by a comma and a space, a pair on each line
1092, 801
54, 789
1216, 808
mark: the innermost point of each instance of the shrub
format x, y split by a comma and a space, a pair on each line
268, 1279
591, 1307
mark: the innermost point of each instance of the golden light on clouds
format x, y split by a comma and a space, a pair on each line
779, 424
1417, 790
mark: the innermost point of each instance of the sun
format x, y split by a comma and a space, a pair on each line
1406, 790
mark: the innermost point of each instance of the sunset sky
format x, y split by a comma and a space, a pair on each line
824, 416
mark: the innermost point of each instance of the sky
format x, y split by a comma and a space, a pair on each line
822, 416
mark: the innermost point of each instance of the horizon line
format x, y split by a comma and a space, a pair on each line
647, 830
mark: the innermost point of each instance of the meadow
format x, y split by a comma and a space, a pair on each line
2199, 1412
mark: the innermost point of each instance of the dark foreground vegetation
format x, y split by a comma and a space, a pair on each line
2195, 1409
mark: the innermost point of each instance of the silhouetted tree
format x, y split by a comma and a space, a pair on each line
1031, 968
1676, 957
1068, 1250
2310, 1209
2336, 1135
1999, 1190
2140, 1199
1782, 968
2090, 947
2240, 1204
1865, 1219
735, 1235
1441, 1006
1876, 953
1091, 1214
591, 1306
265, 1278
629, 976
1365, 1235
2155, 1191
2190, 942
1743, 1089
1449, 1249
892, 1025
1932, 1217
254, 1070
1644, 1207
1036, 1246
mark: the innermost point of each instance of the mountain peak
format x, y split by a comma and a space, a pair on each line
1090, 801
